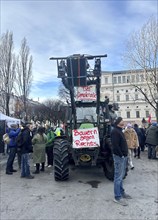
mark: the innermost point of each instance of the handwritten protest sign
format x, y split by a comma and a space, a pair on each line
85, 138
86, 93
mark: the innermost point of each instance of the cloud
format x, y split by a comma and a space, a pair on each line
62, 28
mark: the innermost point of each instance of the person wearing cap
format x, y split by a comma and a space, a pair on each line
13, 133
120, 153
152, 140
132, 142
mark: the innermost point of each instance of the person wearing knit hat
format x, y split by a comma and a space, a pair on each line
129, 125
120, 153
118, 120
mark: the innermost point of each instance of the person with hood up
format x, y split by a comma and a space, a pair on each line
152, 140
132, 142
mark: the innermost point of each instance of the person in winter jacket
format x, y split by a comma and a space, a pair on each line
26, 148
39, 144
49, 145
152, 140
13, 133
120, 153
140, 136
143, 131
132, 142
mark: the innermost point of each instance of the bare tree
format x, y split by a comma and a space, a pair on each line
142, 53
64, 93
24, 73
56, 111
7, 70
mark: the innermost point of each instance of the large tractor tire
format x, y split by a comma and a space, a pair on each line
108, 167
61, 160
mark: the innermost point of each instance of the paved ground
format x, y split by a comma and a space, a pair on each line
88, 195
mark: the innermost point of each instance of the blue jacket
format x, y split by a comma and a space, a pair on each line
13, 133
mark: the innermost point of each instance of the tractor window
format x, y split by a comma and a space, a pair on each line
86, 114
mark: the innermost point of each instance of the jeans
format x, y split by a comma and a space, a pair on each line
120, 165
10, 161
130, 152
25, 167
151, 151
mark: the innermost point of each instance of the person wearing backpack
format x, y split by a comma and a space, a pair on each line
13, 133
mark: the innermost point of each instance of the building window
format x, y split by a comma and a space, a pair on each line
115, 80
142, 78
137, 114
137, 78
136, 90
127, 97
106, 80
126, 90
133, 78
117, 91
147, 114
128, 114
119, 79
118, 98
124, 79
128, 79
136, 96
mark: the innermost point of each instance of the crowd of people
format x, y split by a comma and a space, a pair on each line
37, 140
127, 141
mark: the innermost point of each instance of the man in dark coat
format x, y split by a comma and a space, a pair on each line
152, 140
140, 137
120, 153
13, 133
26, 148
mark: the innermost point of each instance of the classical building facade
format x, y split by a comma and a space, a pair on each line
119, 87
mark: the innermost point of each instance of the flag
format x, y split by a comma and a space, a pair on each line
149, 119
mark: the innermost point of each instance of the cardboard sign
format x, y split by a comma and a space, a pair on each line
86, 93
86, 138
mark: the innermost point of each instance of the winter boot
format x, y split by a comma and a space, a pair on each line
42, 169
37, 168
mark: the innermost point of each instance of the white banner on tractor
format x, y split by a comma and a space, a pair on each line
85, 138
86, 93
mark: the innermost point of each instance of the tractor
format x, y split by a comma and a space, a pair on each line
86, 140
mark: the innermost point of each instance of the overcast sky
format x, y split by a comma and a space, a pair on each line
62, 28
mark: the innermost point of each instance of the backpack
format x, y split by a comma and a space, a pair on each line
19, 140
6, 138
